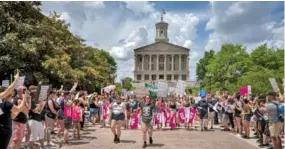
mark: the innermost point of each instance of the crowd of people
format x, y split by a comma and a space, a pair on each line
22, 116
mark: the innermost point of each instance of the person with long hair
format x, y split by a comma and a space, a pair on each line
94, 109
7, 109
247, 117
51, 115
146, 115
237, 113
118, 116
34, 122
67, 116
76, 116
60, 120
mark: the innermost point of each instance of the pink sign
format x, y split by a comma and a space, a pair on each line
172, 123
157, 118
243, 91
181, 115
105, 111
167, 115
192, 115
134, 121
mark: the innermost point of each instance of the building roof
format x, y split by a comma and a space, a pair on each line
160, 43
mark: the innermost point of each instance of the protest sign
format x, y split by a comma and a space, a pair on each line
243, 91
5, 83
180, 87
249, 89
162, 89
274, 84
42, 92
20, 82
151, 87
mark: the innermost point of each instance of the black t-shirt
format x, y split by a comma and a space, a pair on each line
203, 104
213, 103
33, 115
5, 115
92, 105
21, 117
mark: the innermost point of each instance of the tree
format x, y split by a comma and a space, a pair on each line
44, 49
127, 84
201, 66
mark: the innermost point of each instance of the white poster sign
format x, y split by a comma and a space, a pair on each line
180, 87
249, 89
20, 82
43, 92
5, 83
162, 89
274, 84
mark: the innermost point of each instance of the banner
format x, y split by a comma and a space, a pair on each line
192, 115
5, 83
274, 84
243, 91
162, 89
151, 87
180, 87
105, 111
20, 82
172, 122
181, 115
134, 121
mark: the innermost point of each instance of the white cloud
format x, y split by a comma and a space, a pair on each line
95, 4
244, 23
140, 7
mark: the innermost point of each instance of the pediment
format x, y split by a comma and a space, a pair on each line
163, 47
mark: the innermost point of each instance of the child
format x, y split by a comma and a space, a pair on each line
76, 116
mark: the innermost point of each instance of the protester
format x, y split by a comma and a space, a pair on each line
51, 115
118, 116
202, 107
76, 116
146, 114
247, 117
94, 109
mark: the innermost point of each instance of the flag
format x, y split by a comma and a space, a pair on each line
163, 12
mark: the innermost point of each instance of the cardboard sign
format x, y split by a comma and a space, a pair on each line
274, 84
20, 82
180, 87
162, 89
42, 92
5, 83
249, 89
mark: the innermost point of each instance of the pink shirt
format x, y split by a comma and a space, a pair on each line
76, 110
67, 110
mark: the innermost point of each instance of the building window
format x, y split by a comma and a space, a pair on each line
139, 77
161, 77
168, 77
153, 77
184, 77
146, 77
176, 77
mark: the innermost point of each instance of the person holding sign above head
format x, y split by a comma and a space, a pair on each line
7, 109
146, 114
118, 116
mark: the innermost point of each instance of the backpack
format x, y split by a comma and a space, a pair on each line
279, 115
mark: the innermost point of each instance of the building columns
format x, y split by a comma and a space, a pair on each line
164, 62
179, 62
150, 62
172, 62
157, 62
142, 62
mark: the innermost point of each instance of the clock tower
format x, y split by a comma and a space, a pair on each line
161, 31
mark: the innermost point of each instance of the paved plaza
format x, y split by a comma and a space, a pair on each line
102, 138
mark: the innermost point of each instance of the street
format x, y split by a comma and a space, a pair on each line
102, 138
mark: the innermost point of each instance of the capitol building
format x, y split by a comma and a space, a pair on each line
161, 60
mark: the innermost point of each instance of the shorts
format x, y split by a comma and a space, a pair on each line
76, 121
19, 131
118, 117
68, 123
203, 114
247, 117
275, 129
37, 130
94, 111
150, 124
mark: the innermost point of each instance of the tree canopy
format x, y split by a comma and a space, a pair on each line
233, 67
43, 48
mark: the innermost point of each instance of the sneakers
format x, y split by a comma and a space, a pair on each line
115, 138
206, 128
144, 145
150, 140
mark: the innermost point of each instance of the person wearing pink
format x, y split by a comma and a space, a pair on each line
76, 116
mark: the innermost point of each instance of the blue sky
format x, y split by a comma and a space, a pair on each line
120, 27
